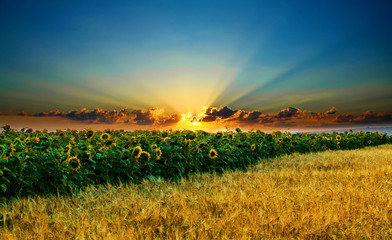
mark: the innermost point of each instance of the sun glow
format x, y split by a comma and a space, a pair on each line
193, 121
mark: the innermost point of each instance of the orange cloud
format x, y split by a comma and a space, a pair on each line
212, 117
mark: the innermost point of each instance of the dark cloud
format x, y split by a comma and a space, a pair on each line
171, 120
323, 115
123, 116
250, 117
144, 117
331, 111
53, 113
288, 117
227, 114
344, 118
366, 117
290, 112
208, 118
96, 116
223, 112
22, 113
374, 117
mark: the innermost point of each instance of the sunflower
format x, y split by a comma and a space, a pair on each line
154, 146
213, 154
105, 136
230, 135
147, 154
338, 138
158, 153
12, 149
139, 151
35, 140
218, 134
89, 134
253, 147
74, 162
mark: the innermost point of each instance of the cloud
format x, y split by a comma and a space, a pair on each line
286, 117
290, 112
95, 116
153, 116
323, 115
219, 116
171, 120
143, 118
344, 118
23, 113
223, 112
366, 117
331, 111
228, 115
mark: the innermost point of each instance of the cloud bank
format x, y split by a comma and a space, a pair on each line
219, 116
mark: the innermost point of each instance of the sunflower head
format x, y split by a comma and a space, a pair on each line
35, 139
89, 134
213, 154
231, 135
74, 162
154, 146
137, 151
145, 155
338, 137
158, 153
253, 147
105, 136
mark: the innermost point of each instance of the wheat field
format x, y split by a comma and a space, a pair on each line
325, 195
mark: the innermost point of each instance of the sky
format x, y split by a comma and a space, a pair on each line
195, 64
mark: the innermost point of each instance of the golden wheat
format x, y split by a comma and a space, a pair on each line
334, 194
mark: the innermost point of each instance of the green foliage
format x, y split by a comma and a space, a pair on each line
34, 162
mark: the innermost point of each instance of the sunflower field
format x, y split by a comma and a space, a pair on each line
62, 162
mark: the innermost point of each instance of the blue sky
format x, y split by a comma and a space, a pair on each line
183, 55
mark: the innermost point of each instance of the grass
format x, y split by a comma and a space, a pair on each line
325, 195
